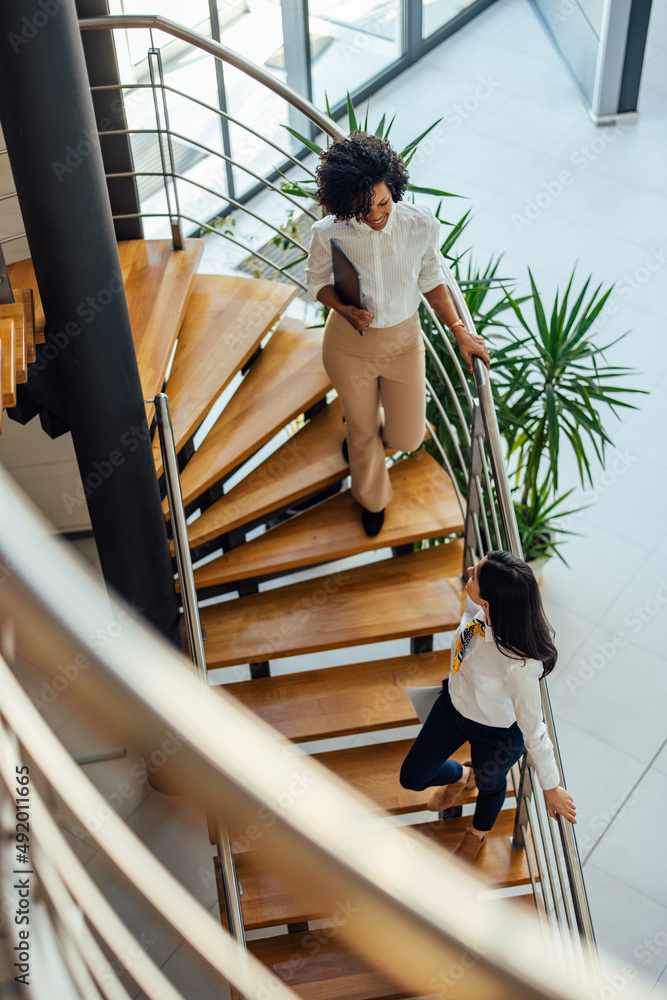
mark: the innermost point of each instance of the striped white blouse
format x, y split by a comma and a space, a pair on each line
395, 263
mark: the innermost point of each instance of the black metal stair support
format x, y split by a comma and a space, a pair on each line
50, 132
100, 55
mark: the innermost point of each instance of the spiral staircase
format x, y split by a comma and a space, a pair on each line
296, 602
229, 330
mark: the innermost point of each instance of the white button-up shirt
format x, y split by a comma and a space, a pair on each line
497, 690
395, 263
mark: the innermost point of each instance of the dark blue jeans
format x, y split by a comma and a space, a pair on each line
493, 751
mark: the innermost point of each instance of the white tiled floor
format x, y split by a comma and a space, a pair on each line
610, 688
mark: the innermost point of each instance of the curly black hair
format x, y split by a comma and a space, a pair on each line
349, 170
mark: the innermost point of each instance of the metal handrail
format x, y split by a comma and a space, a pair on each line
209, 107
195, 640
324, 123
400, 917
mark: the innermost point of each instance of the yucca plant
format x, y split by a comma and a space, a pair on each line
550, 383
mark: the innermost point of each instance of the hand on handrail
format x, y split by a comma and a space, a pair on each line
560, 803
471, 345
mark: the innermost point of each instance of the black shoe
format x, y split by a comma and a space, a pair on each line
372, 521
346, 451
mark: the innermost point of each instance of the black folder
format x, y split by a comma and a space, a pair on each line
347, 281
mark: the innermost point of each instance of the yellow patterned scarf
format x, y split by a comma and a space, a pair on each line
472, 628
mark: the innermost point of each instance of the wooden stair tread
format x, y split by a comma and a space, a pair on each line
309, 461
225, 320
22, 276
318, 966
14, 311
8, 339
497, 864
424, 506
417, 594
267, 900
157, 283
374, 769
334, 701
285, 380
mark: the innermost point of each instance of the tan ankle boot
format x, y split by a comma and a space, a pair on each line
469, 847
448, 795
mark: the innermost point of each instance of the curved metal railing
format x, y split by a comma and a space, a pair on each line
488, 508
390, 881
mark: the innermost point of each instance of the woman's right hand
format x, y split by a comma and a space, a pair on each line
560, 802
360, 319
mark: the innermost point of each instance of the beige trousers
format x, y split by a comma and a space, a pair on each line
383, 370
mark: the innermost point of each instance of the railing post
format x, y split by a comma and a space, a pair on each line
523, 794
230, 885
473, 544
162, 124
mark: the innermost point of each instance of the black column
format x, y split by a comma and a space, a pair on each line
109, 106
49, 126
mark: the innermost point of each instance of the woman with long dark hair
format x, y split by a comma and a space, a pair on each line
395, 246
491, 699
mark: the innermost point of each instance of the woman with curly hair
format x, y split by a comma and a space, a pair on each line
379, 376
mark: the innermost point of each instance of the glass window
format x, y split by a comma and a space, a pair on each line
254, 29
437, 13
351, 41
191, 72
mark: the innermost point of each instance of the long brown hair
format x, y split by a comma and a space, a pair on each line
520, 626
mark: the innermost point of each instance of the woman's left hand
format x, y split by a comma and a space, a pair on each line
471, 345
560, 803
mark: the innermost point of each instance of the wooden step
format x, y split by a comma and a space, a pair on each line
14, 311
424, 506
268, 900
374, 770
309, 461
8, 339
334, 701
22, 276
285, 380
225, 320
417, 594
317, 965
157, 283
